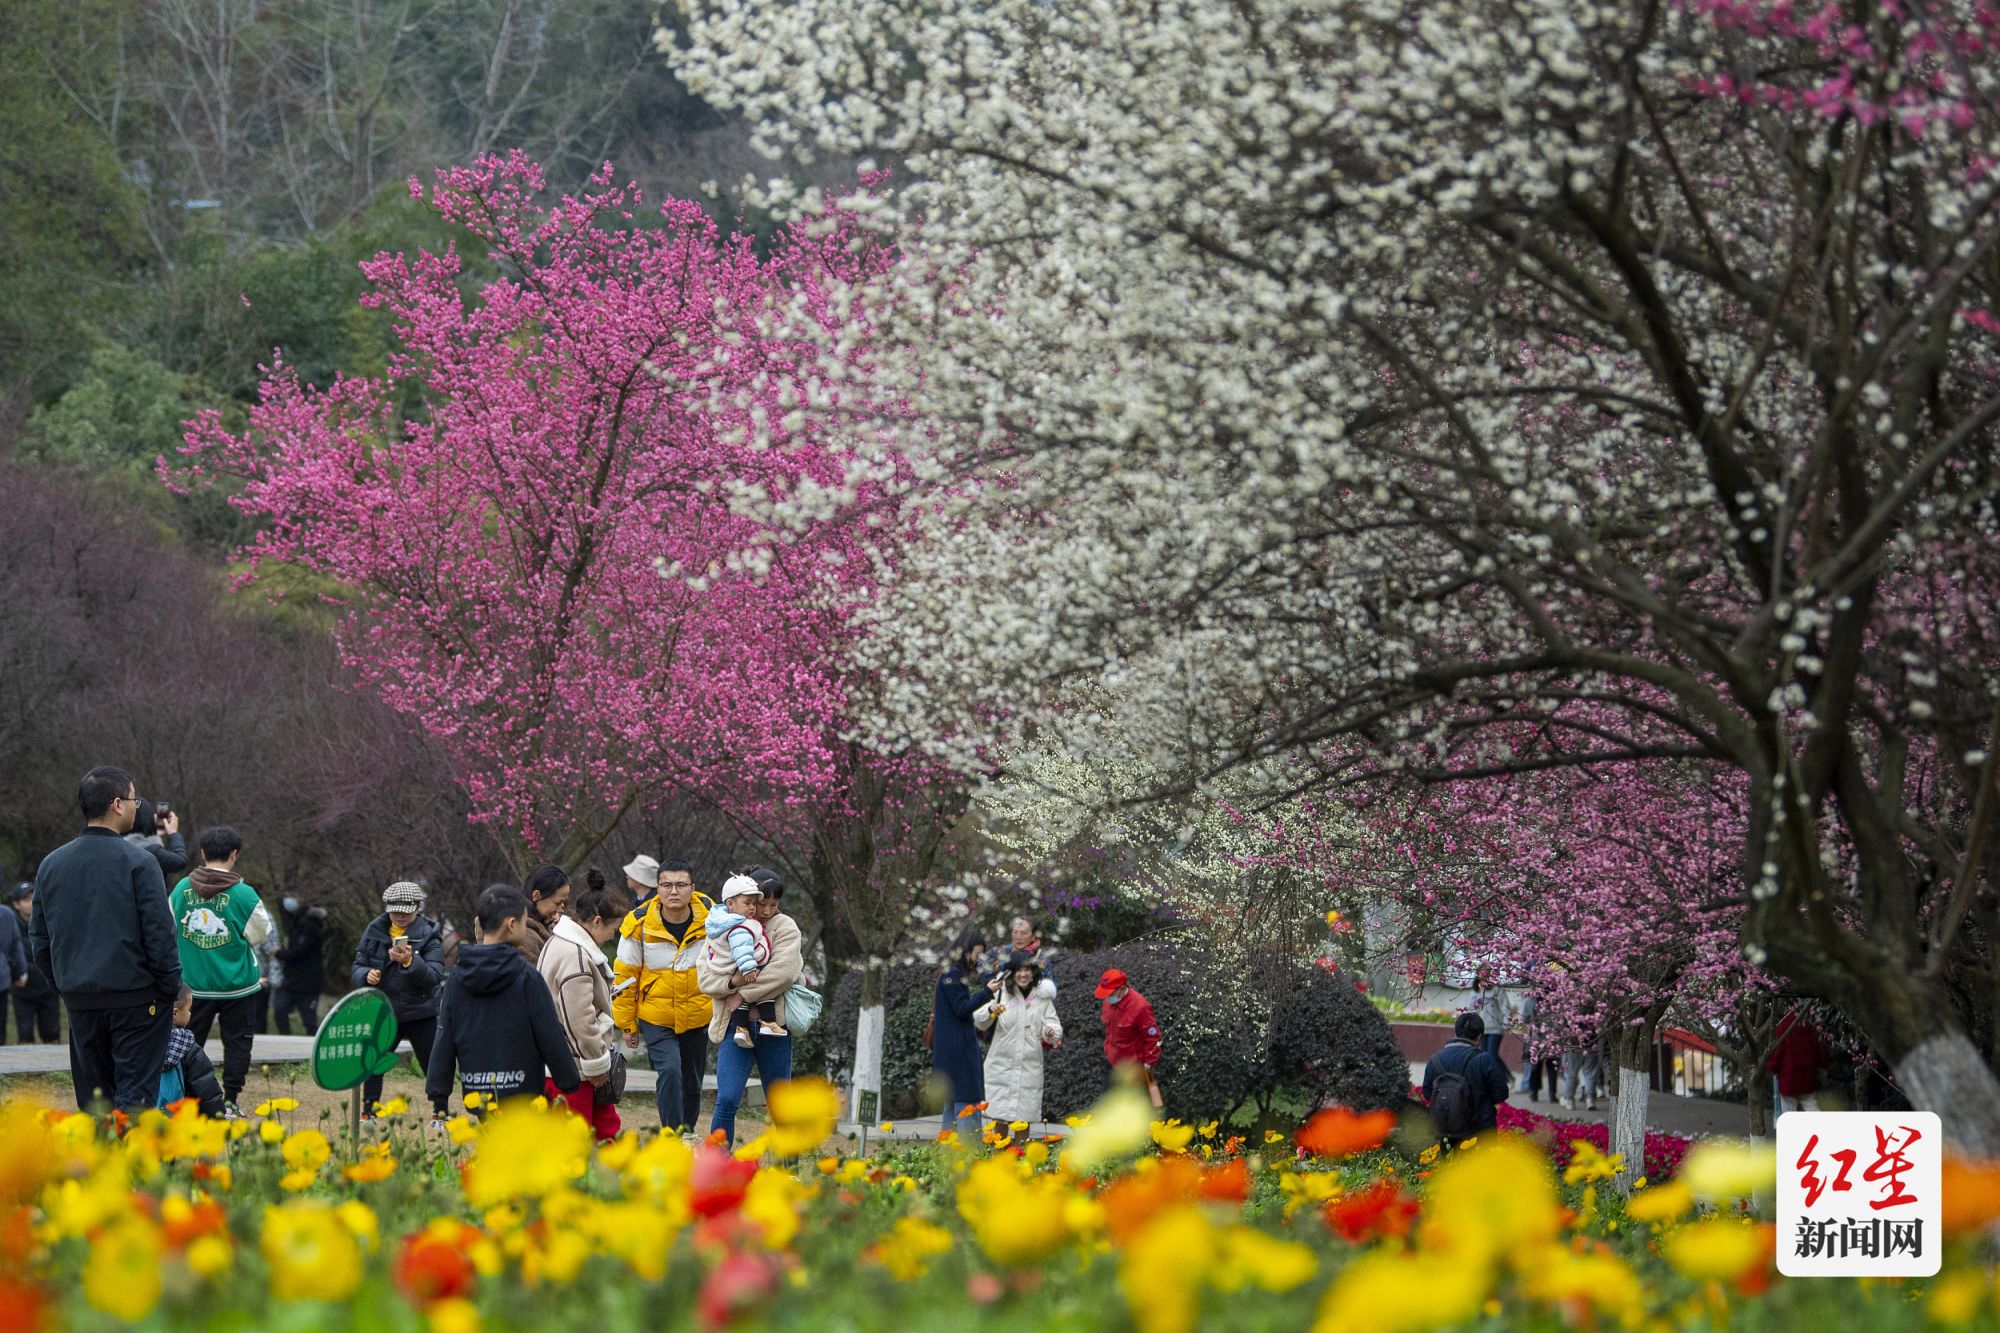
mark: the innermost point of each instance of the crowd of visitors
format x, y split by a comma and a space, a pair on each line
533, 1005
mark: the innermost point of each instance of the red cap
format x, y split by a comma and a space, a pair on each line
1112, 980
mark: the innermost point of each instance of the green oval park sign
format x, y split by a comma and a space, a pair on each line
357, 1039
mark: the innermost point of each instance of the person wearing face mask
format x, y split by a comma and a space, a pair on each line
400, 953
302, 966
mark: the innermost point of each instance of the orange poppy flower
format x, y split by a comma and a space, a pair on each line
1229, 1183
1339, 1132
1971, 1195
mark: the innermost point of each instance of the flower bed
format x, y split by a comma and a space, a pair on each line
519, 1222
1663, 1151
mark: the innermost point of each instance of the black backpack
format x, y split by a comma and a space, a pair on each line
1452, 1108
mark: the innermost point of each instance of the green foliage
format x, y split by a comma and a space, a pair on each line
123, 411
906, 1061
1327, 1040
70, 220
1211, 1024
1233, 1029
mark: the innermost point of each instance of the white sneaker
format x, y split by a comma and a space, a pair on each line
1568, 1104
745, 1040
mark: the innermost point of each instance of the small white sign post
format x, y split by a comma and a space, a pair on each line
866, 1099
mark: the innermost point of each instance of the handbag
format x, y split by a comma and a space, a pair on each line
802, 1007
612, 1088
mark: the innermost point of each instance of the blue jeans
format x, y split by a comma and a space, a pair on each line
969, 1128
732, 1074
678, 1060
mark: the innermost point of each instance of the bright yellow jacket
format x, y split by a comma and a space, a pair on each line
662, 988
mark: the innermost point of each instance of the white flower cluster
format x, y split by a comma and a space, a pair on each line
1356, 381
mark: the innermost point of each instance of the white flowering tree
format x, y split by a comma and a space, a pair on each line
1080, 799
1357, 380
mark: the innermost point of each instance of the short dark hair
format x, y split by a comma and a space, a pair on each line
100, 787
543, 882
186, 992
770, 881
1469, 1026
496, 904
219, 843
676, 866
607, 901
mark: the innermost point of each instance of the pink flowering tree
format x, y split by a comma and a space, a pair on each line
1608, 893
533, 519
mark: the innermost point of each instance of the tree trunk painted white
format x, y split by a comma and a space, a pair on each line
1946, 1075
867, 1064
1628, 1123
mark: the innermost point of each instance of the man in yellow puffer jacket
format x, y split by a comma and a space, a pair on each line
656, 999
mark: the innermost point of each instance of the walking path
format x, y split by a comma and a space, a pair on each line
267, 1050
1688, 1117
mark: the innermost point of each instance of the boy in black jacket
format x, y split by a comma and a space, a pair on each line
498, 1025
197, 1072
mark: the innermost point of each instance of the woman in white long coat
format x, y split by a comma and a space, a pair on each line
1022, 1014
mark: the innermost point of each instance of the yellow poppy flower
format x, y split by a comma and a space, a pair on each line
312, 1254
121, 1275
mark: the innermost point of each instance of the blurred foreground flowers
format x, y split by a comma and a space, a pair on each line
517, 1220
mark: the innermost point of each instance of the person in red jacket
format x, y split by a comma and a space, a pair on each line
1131, 1033
1798, 1060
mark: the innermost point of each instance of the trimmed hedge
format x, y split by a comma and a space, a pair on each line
1329, 1041
1233, 1030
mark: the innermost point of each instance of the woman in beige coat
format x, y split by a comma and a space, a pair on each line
572, 962
772, 1055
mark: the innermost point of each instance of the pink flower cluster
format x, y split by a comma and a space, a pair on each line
1663, 1151
540, 519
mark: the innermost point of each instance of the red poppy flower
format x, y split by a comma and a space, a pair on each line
24, 1307
718, 1182
430, 1267
738, 1283
202, 1219
1380, 1210
1339, 1132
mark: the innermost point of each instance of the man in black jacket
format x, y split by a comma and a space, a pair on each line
1463, 1084
498, 1026
102, 933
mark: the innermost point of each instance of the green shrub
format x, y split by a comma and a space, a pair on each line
1233, 1030
1211, 1026
1327, 1041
